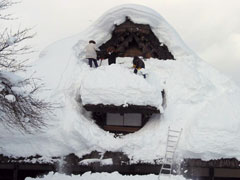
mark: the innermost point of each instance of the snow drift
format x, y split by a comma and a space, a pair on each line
200, 100
118, 85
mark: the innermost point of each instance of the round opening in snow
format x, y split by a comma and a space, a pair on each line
120, 101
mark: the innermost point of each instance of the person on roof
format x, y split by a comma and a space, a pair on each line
138, 65
91, 53
111, 55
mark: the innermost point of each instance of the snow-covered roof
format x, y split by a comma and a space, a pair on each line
199, 99
118, 85
101, 30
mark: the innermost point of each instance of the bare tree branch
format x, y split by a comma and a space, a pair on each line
5, 4
24, 111
19, 106
11, 47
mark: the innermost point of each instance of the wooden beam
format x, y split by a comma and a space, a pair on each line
121, 109
26, 166
127, 129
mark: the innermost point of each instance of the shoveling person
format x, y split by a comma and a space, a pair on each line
91, 53
138, 66
111, 55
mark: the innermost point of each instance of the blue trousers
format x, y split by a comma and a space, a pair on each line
90, 60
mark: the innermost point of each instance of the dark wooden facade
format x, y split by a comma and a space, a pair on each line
18, 168
99, 114
231, 163
101, 121
131, 39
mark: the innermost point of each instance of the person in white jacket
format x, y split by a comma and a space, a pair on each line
91, 53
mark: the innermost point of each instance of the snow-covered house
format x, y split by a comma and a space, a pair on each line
200, 100
129, 39
118, 99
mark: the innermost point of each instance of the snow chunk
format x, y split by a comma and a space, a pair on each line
11, 98
101, 161
118, 85
11, 40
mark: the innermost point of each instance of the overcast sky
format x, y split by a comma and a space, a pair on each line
209, 27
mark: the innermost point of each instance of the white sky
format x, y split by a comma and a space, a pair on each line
210, 27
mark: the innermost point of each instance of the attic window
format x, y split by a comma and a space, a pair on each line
120, 123
127, 119
126, 123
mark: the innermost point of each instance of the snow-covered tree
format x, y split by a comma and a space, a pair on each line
19, 106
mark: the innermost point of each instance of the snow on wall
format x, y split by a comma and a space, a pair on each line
199, 99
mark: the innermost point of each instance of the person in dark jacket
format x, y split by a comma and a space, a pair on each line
111, 55
138, 64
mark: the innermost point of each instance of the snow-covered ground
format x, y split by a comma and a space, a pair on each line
200, 100
105, 176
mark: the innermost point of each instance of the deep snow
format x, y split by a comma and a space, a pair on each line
200, 100
118, 85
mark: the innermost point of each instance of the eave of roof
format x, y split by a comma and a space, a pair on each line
122, 109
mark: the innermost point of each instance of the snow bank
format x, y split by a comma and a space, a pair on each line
199, 99
118, 85
105, 176
11, 77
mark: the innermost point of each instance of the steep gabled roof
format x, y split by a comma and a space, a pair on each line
132, 39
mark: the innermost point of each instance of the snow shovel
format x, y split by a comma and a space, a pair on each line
100, 62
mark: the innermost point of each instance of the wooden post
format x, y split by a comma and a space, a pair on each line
15, 172
211, 173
